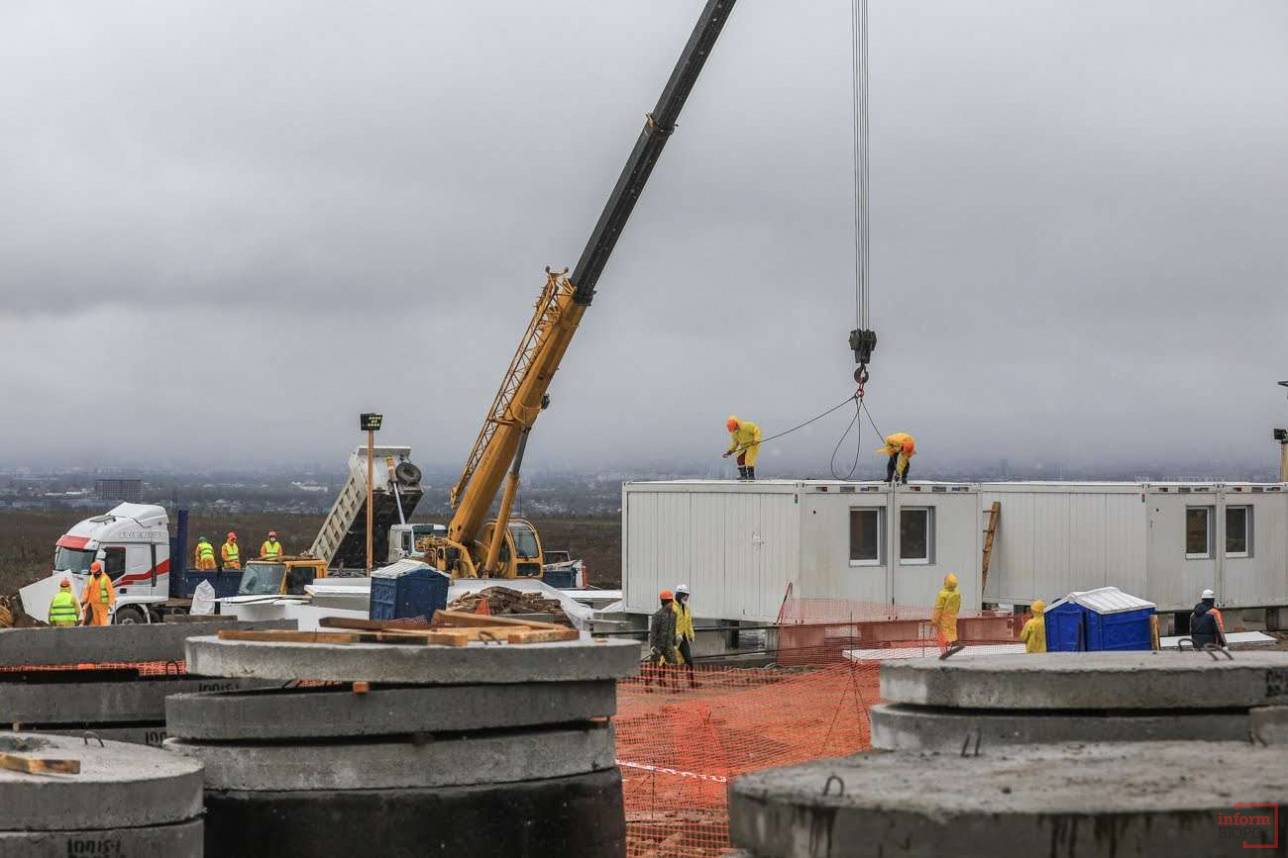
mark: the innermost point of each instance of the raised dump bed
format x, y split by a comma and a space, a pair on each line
409, 750
66, 796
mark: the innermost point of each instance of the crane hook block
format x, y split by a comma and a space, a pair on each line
863, 341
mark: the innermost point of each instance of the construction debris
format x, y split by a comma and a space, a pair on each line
447, 629
502, 600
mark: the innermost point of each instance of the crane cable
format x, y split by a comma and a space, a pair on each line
859, 113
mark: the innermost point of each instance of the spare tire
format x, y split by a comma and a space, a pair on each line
407, 474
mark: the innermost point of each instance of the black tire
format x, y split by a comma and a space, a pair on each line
407, 474
130, 615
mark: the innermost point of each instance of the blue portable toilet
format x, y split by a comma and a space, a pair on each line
408, 588
1099, 620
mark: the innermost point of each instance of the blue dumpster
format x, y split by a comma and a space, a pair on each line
1099, 620
408, 588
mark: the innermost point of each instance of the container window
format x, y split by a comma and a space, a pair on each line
865, 536
916, 535
1238, 531
1198, 532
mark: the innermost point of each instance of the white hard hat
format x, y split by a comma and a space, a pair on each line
1208, 594
683, 588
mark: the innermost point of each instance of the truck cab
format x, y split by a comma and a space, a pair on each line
521, 555
132, 541
409, 540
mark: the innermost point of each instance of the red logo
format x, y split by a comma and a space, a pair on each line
1256, 825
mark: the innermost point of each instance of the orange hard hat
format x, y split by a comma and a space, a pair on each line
732, 423
96, 566
65, 584
232, 535
666, 596
908, 446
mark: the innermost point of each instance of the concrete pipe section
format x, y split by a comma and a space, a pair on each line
1120, 799
121, 644
1090, 680
125, 800
478, 663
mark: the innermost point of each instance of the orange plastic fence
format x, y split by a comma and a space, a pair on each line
679, 744
145, 668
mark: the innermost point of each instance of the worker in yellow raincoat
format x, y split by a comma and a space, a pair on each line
944, 617
900, 447
684, 631
1034, 632
99, 597
744, 439
204, 555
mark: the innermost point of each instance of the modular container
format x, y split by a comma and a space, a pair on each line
408, 588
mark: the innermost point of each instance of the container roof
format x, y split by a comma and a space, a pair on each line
1104, 600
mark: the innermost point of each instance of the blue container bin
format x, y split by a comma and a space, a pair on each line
1099, 620
408, 588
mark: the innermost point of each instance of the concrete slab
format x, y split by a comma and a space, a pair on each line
1123, 799
151, 734
182, 840
119, 786
452, 760
1089, 680
568, 661
112, 702
571, 817
316, 713
1268, 725
914, 728
103, 644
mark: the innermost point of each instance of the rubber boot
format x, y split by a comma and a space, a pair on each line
751, 472
742, 473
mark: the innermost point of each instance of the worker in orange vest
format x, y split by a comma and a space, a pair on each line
98, 598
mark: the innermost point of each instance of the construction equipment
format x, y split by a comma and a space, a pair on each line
506, 547
283, 576
342, 539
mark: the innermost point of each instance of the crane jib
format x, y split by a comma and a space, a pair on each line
648, 148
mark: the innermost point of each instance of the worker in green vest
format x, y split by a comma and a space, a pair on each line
64, 610
204, 555
271, 549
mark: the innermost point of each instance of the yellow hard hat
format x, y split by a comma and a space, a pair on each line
950, 580
1038, 606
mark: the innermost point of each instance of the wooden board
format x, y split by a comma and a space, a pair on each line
462, 619
288, 636
39, 766
373, 625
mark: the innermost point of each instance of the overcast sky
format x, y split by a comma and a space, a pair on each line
228, 227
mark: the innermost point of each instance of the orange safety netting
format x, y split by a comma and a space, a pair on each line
678, 746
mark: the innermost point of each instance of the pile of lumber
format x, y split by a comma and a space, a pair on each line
448, 628
502, 601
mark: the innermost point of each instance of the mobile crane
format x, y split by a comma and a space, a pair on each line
505, 547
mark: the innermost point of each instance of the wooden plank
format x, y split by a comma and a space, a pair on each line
990, 532
542, 636
460, 618
288, 636
39, 766
372, 625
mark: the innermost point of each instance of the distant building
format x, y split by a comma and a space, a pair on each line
130, 491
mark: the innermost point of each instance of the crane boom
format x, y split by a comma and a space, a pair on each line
559, 310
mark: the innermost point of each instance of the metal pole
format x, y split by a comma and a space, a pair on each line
371, 526
1283, 462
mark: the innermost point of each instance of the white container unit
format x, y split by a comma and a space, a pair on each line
739, 545
1166, 542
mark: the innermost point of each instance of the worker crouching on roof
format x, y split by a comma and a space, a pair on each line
944, 617
744, 440
64, 610
1034, 632
270, 549
684, 633
98, 598
204, 555
661, 638
900, 447
230, 553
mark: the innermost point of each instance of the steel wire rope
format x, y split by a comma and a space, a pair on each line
859, 82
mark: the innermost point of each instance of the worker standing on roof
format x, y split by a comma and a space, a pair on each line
744, 439
1034, 632
900, 447
661, 637
204, 555
1207, 626
230, 553
64, 610
271, 549
98, 598
684, 633
944, 616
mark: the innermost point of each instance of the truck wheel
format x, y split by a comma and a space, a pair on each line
407, 474
129, 615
